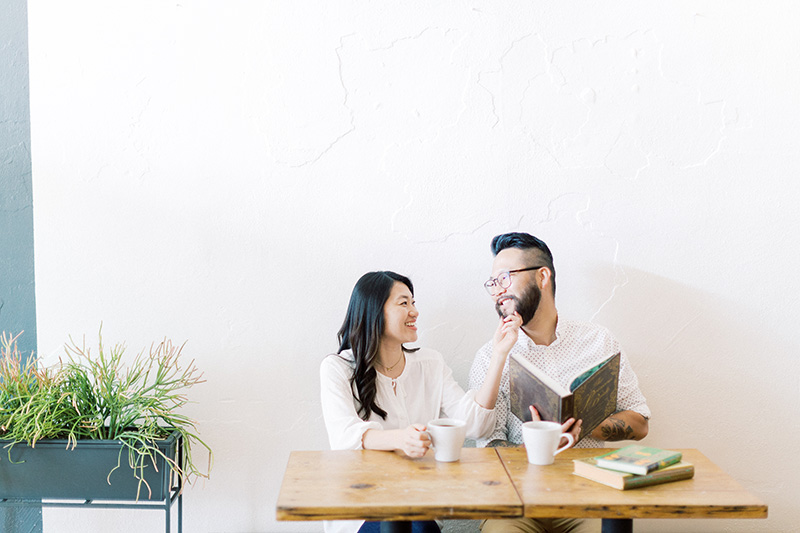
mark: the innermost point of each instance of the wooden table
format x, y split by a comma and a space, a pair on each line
554, 492
494, 483
375, 485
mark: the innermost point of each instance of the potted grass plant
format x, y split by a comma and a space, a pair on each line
95, 426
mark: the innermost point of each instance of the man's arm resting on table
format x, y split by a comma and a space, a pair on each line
622, 425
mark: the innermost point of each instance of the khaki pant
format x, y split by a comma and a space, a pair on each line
540, 525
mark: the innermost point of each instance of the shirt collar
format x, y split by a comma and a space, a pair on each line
526, 341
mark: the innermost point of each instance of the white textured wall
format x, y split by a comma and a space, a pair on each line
223, 172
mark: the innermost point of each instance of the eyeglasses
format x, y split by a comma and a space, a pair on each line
504, 279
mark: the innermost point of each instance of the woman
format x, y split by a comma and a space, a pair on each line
378, 395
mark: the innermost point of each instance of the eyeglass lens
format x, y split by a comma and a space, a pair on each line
503, 281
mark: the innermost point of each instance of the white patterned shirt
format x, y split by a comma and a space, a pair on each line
578, 346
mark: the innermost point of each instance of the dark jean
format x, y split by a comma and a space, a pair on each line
427, 526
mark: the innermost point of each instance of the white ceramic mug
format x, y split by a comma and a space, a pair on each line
447, 438
541, 441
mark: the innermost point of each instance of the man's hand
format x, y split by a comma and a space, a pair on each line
570, 426
414, 440
504, 339
506, 334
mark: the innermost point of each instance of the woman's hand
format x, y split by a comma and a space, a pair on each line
570, 426
414, 440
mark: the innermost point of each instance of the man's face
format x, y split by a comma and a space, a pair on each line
523, 295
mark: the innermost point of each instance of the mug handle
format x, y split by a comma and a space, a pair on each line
570, 441
430, 438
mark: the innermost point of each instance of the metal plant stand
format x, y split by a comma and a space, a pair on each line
173, 493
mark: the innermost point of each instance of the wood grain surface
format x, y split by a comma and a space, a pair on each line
553, 491
493, 483
377, 485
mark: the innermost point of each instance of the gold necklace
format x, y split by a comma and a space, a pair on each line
389, 368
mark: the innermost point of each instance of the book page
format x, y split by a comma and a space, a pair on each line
580, 378
544, 378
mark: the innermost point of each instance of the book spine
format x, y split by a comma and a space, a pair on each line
656, 479
567, 409
666, 462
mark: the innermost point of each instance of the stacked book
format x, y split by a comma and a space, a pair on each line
634, 466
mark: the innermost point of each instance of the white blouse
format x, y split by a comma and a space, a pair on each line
423, 392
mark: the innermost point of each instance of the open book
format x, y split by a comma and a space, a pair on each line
591, 397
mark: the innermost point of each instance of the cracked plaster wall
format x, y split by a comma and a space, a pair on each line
224, 174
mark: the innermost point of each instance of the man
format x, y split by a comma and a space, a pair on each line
523, 282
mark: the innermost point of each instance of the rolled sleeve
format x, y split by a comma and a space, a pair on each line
480, 421
629, 396
458, 404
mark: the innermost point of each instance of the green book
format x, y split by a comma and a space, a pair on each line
639, 460
588, 469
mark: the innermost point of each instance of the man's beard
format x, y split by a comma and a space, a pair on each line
526, 305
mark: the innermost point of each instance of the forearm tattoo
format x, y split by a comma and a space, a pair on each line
616, 429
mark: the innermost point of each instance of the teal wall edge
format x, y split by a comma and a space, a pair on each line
17, 294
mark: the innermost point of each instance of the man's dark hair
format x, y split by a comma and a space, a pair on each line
529, 243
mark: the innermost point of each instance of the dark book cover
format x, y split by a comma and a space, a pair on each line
593, 397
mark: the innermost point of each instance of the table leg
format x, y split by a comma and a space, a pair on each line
396, 527
617, 525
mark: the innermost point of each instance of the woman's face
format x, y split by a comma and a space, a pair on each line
400, 315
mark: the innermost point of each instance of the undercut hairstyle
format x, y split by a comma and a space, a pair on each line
537, 249
361, 333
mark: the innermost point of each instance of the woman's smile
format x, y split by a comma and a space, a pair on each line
400, 315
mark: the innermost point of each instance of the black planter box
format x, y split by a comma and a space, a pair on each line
51, 471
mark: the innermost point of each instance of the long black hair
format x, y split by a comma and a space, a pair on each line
361, 332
